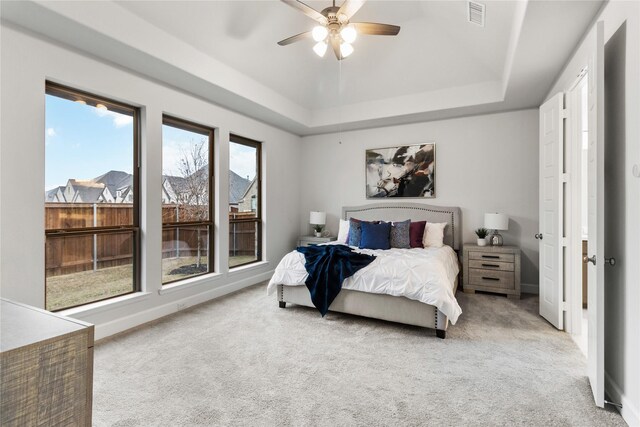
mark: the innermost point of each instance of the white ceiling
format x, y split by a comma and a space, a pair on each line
439, 65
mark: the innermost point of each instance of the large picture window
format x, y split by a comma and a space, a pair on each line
187, 201
245, 202
91, 198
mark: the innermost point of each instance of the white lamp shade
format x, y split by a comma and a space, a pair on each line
496, 221
320, 49
319, 33
318, 218
346, 49
348, 34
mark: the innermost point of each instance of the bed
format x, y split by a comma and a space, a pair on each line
432, 306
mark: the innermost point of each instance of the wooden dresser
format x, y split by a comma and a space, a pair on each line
491, 269
47, 368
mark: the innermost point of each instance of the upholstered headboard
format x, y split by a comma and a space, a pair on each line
415, 212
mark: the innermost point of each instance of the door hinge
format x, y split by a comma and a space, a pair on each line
563, 305
565, 113
565, 177
564, 242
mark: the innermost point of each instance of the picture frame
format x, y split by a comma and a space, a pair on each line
401, 171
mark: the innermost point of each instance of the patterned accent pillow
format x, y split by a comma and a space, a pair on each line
399, 236
355, 232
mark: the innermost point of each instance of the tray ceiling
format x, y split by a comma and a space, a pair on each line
439, 66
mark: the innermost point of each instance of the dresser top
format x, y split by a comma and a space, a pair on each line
22, 325
505, 249
318, 239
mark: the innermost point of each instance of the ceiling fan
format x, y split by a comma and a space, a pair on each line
335, 29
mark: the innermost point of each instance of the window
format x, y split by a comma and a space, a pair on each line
245, 183
91, 235
187, 189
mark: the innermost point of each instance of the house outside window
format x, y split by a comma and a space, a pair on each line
245, 210
187, 210
91, 239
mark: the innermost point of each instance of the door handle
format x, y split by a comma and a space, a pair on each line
611, 261
538, 236
587, 260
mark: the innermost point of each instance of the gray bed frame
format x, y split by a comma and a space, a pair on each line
387, 307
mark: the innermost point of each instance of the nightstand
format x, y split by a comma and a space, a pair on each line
491, 269
312, 240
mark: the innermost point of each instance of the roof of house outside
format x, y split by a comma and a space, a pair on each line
115, 180
237, 187
86, 191
89, 190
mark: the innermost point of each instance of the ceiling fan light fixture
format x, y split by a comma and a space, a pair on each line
348, 34
319, 33
346, 49
320, 49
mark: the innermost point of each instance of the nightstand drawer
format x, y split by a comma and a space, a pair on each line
493, 279
491, 265
491, 256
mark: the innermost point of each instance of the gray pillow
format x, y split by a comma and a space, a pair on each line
399, 236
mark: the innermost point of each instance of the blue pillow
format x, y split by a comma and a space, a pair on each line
399, 236
355, 232
375, 236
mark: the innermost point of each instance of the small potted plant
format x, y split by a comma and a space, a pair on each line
318, 229
482, 234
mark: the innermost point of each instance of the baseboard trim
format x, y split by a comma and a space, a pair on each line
629, 413
529, 288
104, 330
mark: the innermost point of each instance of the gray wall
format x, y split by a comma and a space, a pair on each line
485, 163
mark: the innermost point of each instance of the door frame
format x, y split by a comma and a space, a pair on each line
573, 206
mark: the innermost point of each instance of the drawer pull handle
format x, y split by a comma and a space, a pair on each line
491, 265
491, 278
491, 256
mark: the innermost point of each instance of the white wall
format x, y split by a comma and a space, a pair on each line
622, 196
485, 163
26, 62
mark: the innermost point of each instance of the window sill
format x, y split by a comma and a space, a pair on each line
249, 267
187, 283
108, 304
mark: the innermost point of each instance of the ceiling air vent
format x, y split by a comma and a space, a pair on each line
476, 13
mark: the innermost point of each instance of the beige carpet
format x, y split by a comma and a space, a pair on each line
241, 360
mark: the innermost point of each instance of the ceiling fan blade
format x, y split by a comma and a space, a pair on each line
348, 9
335, 45
309, 11
371, 28
295, 38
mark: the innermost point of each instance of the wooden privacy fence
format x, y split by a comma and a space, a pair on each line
77, 253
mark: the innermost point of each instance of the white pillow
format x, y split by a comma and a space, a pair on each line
343, 232
433, 236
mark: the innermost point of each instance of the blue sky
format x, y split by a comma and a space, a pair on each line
83, 142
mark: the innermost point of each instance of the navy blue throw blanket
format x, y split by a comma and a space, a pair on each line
328, 266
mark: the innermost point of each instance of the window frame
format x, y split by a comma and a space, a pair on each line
237, 139
74, 95
190, 126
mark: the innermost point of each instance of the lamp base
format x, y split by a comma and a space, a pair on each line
495, 239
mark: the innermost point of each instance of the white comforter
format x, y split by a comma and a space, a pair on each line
426, 275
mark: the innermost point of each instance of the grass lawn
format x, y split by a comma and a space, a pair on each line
74, 289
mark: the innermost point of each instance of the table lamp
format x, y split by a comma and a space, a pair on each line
495, 222
318, 220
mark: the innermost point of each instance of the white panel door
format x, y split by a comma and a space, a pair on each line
595, 182
551, 210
